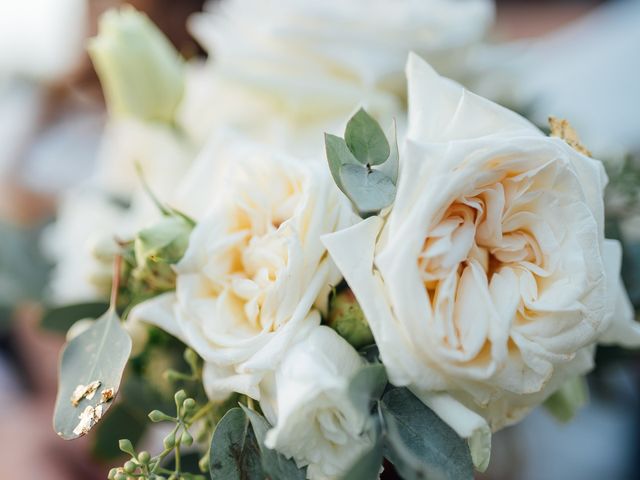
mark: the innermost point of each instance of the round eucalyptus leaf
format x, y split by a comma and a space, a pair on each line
90, 372
369, 190
366, 140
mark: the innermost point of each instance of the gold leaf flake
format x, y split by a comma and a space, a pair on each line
106, 395
562, 129
87, 421
84, 391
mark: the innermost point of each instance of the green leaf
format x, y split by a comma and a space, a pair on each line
566, 401
369, 190
367, 467
60, 319
338, 154
366, 140
97, 355
235, 453
274, 464
419, 443
367, 385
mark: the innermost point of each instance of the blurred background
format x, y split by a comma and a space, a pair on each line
575, 59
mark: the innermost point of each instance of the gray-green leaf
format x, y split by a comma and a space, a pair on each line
94, 359
367, 385
366, 140
274, 464
235, 454
338, 154
369, 190
367, 467
419, 443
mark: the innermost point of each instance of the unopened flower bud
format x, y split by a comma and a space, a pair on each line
142, 74
347, 318
170, 440
144, 457
186, 439
130, 467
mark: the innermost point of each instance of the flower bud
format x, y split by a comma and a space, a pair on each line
144, 457
142, 74
170, 440
180, 397
186, 439
346, 318
130, 467
157, 248
189, 405
158, 416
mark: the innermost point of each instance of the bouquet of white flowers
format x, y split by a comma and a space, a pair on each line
399, 294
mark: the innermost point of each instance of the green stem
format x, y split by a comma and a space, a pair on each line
202, 412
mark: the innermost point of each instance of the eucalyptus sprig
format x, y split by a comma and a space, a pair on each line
364, 164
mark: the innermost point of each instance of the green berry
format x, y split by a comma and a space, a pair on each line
186, 438
180, 397
170, 440
144, 457
130, 467
189, 404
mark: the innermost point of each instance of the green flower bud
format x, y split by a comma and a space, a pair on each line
144, 457
157, 248
142, 74
112, 473
203, 463
347, 318
189, 405
186, 438
121, 476
126, 446
130, 467
191, 357
170, 440
158, 416
180, 397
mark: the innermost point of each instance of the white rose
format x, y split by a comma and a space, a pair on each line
307, 401
490, 280
311, 64
255, 266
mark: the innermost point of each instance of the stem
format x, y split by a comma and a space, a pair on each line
201, 413
177, 457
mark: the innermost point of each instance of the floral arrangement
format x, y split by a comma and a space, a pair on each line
315, 308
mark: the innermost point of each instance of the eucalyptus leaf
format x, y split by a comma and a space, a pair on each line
60, 319
568, 399
366, 140
338, 154
419, 443
97, 358
367, 467
369, 190
274, 464
235, 454
367, 385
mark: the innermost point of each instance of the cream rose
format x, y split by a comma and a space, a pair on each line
307, 401
490, 281
255, 266
311, 64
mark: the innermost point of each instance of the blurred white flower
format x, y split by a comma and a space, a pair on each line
308, 65
490, 281
307, 401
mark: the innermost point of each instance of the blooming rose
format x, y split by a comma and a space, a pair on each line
310, 64
490, 281
307, 401
255, 266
